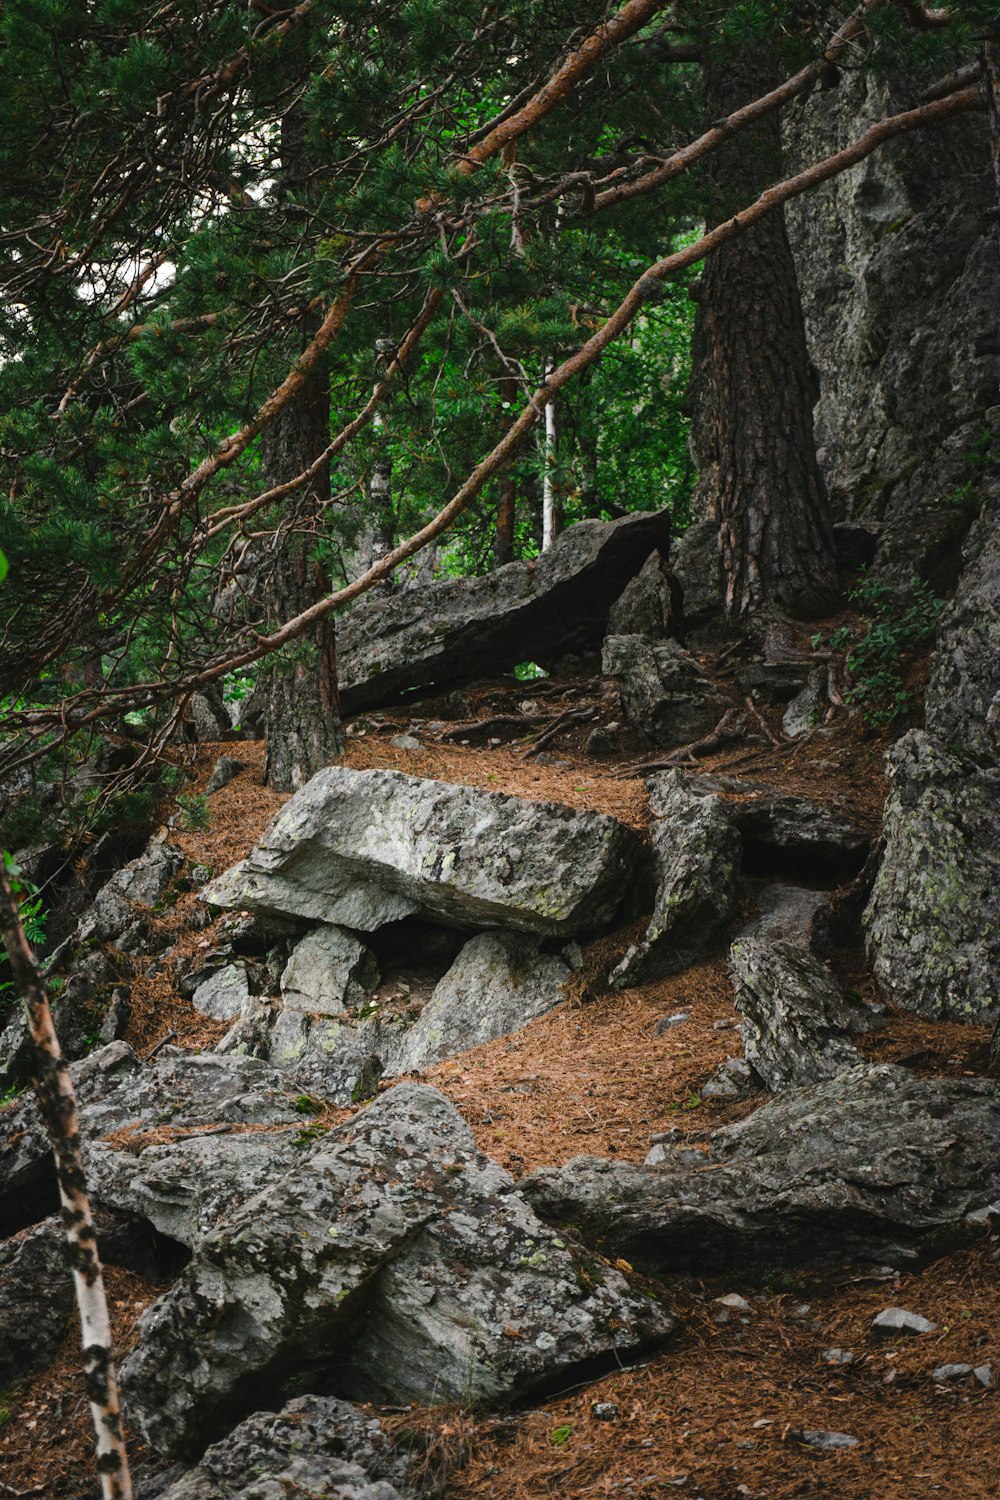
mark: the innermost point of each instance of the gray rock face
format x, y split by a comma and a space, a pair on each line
114, 1089
328, 973
646, 606
875, 1164
394, 1262
222, 995
498, 983
900, 278
697, 568
697, 853
36, 1299
932, 921
138, 884
473, 627
964, 687
665, 694
797, 1021
362, 848
315, 1446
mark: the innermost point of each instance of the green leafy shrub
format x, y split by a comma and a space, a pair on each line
894, 633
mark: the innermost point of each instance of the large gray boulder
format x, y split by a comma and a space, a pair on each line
783, 831
646, 606
697, 856
934, 916
393, 1263
464, 628
498, 983
665, 693
963, 693
315, 1446
876, 1164
36, 1299
363, 848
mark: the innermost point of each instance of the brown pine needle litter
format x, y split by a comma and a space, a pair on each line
721, 1412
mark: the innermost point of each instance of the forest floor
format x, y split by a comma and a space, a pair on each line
721, 1412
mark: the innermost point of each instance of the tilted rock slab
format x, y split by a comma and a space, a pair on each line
394, 1263
934, 916
464, 628
362, 848
697, 856
315, 1446
875, 1164
797, 1022
779, 829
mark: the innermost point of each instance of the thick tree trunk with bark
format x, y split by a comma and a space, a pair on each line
753, 386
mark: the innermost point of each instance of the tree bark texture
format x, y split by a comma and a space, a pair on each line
57, 1106
990, 56
302, 712
753, 388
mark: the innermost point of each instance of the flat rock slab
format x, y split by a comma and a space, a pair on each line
465, 628
394, 1263
315, 1446
363, 848
876, 1164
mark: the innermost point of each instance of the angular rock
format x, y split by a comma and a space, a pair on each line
646, 606
797, 1020
225, 769
965, 671
697, 567
827, 1442
221, 996
497, 984
933, 933
139, 884
806, 709
665, 694
875, 1165
696, 851
395, 1261
114, 1089
791, 914
892, 1321
951, 1372
315, 1446
465, 628
36, 1299
362, 848
328, 973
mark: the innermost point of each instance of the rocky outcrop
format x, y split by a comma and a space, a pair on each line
36, 1299
665, 693
875, 1164
474, 627
900, 280
393, 1262
932, 919
697, 855
647, 605
784, 832
314, 1446
963, 693
363, 848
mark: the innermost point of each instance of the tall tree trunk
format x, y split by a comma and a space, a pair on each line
552, 519
383, 520
503, 547
753, 386
302, 712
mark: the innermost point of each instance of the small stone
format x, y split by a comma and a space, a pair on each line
837, 1357
724, 1025
719, 1088
605, 1411
802, 1311
405, 742
984, 1374
675, 1020
736, 1068
894, 1320
951, 1372
225, 768
734, 1300
828, 1441
655, 1156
